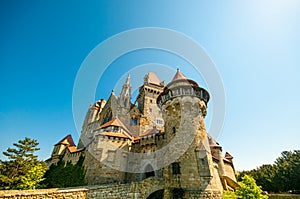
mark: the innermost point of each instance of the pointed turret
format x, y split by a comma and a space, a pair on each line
128, 80
178, 76
125, 97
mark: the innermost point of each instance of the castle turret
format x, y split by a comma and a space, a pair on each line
183, 104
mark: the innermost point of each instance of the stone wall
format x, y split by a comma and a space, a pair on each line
137, 190
110, 192
78, 193
202, 194
114, 191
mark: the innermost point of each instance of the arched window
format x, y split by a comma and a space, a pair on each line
149, 171
176, 168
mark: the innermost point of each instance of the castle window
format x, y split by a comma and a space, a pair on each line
151, 101
116, 128
150, 110
203, 163
176, 168
133, 122
158, 121
174, 130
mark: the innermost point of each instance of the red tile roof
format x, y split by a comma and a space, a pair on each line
228, 156
150, 132
112, 134
178, 76
68, 140
73, 149
153, 79
113, 122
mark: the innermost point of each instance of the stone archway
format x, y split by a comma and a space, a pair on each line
146, 188
149, 172
159, 194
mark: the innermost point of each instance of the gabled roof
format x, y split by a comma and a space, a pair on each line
68, 140
73, 149
228, 156
178, 76
112, 134
113, 122
153, 79
150, 132
213, 143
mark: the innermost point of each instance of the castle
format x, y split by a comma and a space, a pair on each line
160, 139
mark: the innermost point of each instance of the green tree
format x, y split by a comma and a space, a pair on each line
65, 175
229, 195
264, 177
282, 176
248, 189
287, 176
22, 170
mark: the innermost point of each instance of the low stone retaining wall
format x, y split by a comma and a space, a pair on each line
69, 193
137, 190
109, 191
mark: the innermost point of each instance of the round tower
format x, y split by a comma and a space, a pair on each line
192, 175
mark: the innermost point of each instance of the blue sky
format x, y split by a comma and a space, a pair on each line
255, 46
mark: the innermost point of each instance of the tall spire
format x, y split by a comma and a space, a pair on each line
124, 100
128, 80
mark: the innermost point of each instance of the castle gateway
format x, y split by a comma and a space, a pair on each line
156, 147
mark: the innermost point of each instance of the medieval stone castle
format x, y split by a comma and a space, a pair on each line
157, 146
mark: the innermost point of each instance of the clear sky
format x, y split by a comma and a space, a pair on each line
254, 44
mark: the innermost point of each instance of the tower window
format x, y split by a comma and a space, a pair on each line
158, 121
133, 122
203, 163
150, 110
151, 101
174, 130
176, 168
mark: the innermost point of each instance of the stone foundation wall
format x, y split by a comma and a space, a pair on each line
138, 190
78, 193
110, 192
202, 195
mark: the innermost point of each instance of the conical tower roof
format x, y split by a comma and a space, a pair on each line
178, 76
180, 86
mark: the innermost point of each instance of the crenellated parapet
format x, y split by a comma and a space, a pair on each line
181, 86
